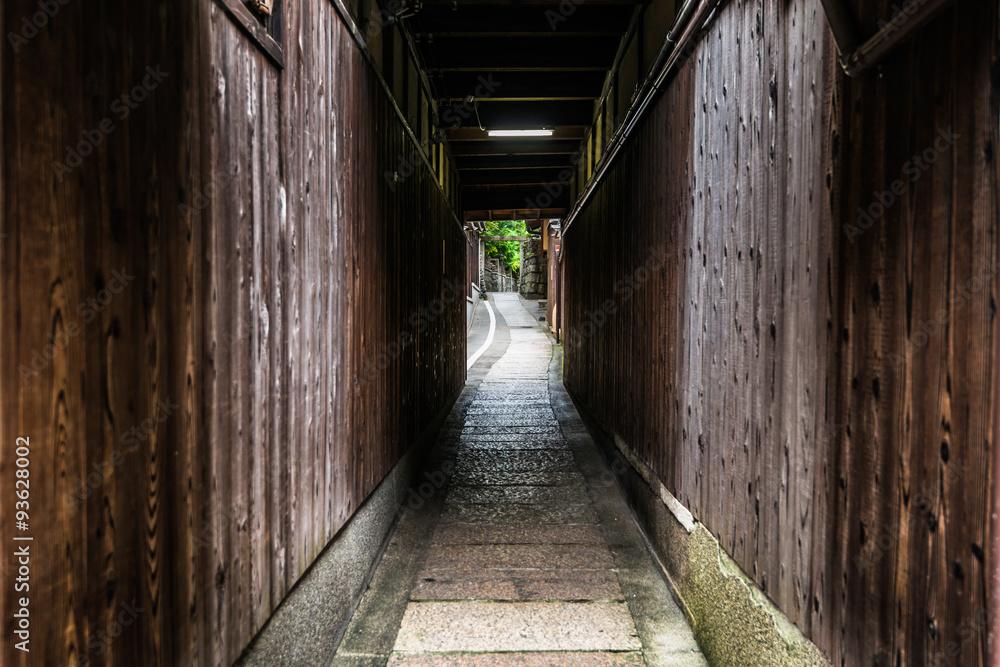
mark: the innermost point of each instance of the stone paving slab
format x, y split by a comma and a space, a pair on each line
506, 584
537, 556
547, 659
505, 478
515, 567
460, 533
515, 440
527, 401
509, 435
527, 626
525, 495
345, 659
539, 402
514, 513
494, 394
516, 459
506, 410
497, 385
511, 464
476, 422
488, 429
502, 445
530, 401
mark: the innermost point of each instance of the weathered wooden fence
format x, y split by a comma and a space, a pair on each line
223, 325
815, 383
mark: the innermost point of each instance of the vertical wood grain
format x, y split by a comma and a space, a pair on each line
773, 373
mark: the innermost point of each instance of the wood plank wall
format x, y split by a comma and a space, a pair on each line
267, 268
774, 367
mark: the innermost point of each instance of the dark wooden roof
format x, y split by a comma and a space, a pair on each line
545, 68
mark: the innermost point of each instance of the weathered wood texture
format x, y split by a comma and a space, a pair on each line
284, 330
783, 375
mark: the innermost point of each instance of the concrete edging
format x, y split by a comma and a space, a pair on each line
733, 620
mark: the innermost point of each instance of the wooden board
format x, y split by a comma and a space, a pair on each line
770, 366
272, 276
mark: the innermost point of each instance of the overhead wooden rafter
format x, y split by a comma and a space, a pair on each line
547, 65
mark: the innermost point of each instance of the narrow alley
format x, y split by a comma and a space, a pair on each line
500, 332
528, 554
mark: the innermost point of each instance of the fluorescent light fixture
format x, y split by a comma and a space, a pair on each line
520, 133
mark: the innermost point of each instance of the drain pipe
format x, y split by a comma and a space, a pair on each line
673, 35
693, 16
680, 22
854, 59
857, 59
845, 30
913, 16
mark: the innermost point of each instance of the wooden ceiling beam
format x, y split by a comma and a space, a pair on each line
521, 85
555, 50
512, 196
494, 115
522, 176
518, 147
543, 19
486, 215
481, 162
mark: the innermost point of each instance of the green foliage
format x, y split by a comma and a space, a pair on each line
508, 251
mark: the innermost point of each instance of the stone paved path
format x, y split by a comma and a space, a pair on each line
527, 555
